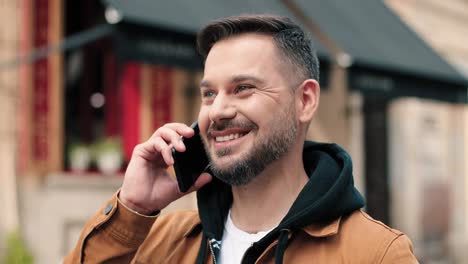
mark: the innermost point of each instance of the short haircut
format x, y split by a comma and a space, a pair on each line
294, 45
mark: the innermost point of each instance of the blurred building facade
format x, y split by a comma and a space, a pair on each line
8, 85
438, 186
409, 145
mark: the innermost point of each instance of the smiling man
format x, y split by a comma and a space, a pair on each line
271, 197
248, 108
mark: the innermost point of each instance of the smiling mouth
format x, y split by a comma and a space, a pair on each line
229, 137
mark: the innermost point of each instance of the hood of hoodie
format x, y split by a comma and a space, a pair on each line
329, 194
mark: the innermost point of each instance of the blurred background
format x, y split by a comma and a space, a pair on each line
82, 82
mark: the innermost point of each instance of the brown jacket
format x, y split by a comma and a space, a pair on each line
118, 235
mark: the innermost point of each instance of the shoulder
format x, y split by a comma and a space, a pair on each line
387, 243
360, 221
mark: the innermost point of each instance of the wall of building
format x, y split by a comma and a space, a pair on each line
8, 100
444, 26
428, 177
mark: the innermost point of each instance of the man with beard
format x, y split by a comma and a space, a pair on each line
273, 197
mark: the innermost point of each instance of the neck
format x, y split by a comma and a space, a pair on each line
263, 203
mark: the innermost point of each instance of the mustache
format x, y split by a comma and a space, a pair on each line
228, 124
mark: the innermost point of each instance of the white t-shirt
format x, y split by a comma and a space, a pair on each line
235, 242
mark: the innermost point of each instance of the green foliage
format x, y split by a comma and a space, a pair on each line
107, 145
16, 251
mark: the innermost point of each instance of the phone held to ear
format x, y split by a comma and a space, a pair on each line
190, 164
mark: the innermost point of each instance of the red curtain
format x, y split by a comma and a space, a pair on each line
41, 84
130, 107
162, 96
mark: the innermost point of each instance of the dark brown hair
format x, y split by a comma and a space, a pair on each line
290, 39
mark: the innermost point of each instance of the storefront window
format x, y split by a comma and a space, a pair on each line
113, 105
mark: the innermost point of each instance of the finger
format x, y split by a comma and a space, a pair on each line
155, 148
173, 138
164, 149
152, 146
202, 180
167, 155
181, 129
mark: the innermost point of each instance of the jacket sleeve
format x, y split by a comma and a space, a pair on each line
113, 235
399, 251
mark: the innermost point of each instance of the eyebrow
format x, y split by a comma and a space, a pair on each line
246, 77
236, 79
205, 83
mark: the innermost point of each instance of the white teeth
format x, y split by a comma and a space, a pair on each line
227, 137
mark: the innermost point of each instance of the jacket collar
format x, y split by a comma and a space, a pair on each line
323, 229
314, 230
194, 228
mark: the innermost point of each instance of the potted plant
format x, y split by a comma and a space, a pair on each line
108, 155
79, 155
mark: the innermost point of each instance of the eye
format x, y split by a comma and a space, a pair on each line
242, 87
208, 94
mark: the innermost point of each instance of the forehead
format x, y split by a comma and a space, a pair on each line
250, 54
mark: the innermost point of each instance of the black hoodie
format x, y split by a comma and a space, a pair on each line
329, 194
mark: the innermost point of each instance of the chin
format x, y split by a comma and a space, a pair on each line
223, 163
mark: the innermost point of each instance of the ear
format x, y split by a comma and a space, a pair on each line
307, 100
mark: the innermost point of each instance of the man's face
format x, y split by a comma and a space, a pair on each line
247, 117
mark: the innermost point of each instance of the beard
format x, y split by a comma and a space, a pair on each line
279, 136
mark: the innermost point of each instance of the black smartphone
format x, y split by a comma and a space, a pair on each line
188, 165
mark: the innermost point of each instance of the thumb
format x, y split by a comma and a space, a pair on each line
201, 181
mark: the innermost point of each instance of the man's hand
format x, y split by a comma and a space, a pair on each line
147, 186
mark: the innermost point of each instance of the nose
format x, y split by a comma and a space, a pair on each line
222, 108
